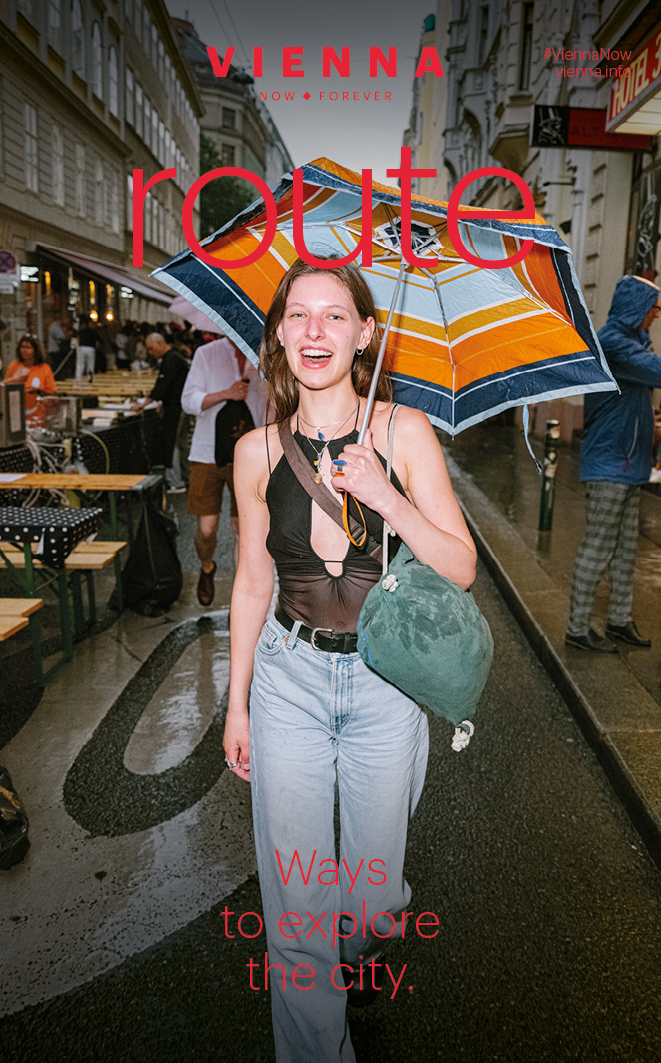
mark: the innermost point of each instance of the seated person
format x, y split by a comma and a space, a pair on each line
31, 367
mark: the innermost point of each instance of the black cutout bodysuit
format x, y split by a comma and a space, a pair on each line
308, 592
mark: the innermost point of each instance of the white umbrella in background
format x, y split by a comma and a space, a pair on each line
183, 308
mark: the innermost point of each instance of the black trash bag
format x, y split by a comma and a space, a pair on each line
152, 577
14, 841
232, 422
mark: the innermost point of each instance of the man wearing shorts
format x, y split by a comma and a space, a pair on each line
220, 372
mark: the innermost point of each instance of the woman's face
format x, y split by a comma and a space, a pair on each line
321, 330
27, 353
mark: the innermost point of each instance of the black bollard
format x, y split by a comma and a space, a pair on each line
548, 476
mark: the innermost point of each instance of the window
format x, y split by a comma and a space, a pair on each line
161, 143
113, 77
161, 62
137, 22
26, 9
153, 52
130, 97
58, 166
154, 131
229, 118
147, 134
526, 47
129, 202
114, 202
138, 108
77, 39
227, 154
147, 217
81, 207
96, 78
31, 151
146, 28
100, 194
484, 34
54, 22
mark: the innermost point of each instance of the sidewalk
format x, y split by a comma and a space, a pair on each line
616, 699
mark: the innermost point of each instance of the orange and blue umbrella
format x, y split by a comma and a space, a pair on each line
463, 343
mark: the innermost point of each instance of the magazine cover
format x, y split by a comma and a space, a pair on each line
329, 500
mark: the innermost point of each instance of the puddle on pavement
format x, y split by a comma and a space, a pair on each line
180, 712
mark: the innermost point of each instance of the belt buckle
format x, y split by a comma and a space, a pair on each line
314, 632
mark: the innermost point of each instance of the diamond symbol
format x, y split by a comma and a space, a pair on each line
306, 95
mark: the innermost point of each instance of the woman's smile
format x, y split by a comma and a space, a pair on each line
315, 358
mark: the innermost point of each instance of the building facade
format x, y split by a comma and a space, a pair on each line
235, 120
89, 91
428, 115
530, 87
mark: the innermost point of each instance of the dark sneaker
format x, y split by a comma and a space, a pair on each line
591, 641
628, 633
205, 586
362, 998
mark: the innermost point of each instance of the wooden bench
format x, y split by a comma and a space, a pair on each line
16, 614
84, 560
9, 625
92, 555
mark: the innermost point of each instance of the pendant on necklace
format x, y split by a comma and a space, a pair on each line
319, 479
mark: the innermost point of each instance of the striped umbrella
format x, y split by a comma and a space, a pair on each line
460, 342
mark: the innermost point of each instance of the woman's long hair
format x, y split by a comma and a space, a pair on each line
39, 356
283, 385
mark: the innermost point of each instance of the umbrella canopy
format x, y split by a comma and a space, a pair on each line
464, 342
182, 308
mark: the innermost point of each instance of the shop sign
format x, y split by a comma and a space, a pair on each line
8, 271
580, 127
640, 80
644, 232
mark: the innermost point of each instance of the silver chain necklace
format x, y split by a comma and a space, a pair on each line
319, 478
318, 427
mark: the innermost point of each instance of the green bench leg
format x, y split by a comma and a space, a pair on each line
65, 617
114, 528
77, 604
37, 659
91, 595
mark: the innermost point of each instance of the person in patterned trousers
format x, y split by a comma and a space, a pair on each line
616, 459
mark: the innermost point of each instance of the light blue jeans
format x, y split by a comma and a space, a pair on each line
315, 717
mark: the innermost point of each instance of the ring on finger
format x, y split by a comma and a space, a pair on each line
231, 763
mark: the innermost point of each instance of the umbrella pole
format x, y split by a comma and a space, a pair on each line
382, 351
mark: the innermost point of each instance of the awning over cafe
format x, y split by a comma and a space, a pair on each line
124, 276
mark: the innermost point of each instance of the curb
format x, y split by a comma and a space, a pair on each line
620, 776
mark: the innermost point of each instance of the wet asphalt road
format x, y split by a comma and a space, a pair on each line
550, 938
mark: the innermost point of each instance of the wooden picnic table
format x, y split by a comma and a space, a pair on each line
91, 481
110, 482
118, 390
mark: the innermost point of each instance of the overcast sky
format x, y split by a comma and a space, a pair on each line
363, 134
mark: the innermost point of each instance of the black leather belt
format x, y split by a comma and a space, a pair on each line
320, 638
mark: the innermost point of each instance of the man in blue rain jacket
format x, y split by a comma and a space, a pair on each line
616, 458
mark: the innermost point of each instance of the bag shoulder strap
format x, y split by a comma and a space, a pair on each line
386, 527
301, 469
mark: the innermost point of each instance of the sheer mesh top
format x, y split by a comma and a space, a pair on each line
308, 592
